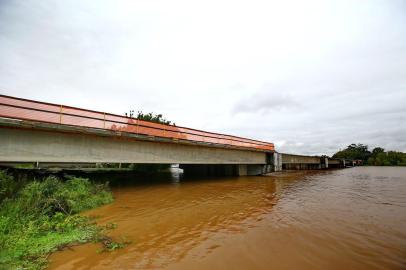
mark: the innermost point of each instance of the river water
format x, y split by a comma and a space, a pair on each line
341, 219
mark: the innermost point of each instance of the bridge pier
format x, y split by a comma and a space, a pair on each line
324, 162
275, 161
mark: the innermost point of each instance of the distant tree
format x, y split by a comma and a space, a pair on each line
377, 150
354, 151
394, 158
378, 156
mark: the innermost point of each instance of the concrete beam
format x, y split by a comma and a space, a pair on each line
300, 162
29, 145
299, 159
335, 163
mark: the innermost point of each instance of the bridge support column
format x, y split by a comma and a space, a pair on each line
324, 162
252, 170
275, 161
256, 169
242, 170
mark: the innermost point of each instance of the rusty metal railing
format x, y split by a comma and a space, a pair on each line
24, 109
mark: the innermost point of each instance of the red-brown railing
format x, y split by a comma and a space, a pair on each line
24, 109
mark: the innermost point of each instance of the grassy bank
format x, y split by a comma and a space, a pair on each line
39, 217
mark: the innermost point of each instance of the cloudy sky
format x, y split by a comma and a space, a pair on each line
311, 76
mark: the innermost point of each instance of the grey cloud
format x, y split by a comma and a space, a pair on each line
269, 98
310, 96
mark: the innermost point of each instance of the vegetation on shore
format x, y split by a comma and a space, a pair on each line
377, 157
39, 217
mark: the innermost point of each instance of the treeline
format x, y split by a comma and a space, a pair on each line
377, 157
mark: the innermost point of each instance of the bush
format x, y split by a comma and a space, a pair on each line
7, 185
43, 216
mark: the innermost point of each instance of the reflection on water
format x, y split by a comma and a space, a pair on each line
353, 219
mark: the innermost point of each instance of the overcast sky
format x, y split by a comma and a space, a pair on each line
310, 76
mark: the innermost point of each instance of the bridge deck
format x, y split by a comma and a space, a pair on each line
24, 109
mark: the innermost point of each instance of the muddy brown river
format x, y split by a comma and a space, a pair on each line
342, 219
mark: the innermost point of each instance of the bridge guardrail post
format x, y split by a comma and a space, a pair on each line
60, 115
104, 120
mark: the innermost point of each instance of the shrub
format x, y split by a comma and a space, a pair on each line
43, 216
7, 185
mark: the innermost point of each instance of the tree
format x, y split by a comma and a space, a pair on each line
151, 117
378, 156
354, 151
377, 150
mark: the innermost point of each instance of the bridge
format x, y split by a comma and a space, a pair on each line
40, 132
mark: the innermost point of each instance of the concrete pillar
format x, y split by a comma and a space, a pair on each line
252, 170
242, 170
276, 162
268, 168
323, 162
255, 169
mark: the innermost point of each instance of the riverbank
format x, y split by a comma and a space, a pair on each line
38, 217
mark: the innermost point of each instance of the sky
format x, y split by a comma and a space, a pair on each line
311, 76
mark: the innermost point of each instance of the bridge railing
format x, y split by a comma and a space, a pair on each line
24, 109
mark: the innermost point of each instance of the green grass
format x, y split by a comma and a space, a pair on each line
42, 217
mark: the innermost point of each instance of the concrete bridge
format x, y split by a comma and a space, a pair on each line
300, 162
32, 131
